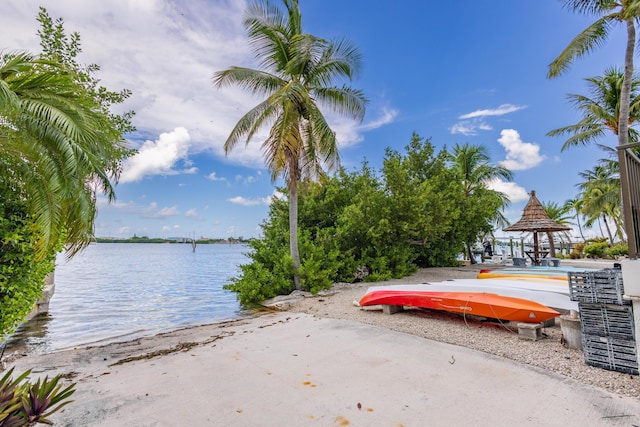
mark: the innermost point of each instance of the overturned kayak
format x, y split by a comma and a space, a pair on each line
483, 304
531, 273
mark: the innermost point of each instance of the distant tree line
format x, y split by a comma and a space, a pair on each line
146, 239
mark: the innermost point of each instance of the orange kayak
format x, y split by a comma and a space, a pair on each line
508, 274
476, 303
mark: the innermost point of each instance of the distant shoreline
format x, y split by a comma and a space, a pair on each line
176, 241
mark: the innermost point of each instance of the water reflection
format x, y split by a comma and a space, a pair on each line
117, 291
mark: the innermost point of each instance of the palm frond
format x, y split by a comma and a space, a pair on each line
591, 37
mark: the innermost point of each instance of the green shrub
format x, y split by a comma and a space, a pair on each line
414, 213
618, 250
596, 250
21, 274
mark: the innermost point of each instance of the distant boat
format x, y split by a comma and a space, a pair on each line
438, 297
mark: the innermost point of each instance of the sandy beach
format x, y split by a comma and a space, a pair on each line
327, 362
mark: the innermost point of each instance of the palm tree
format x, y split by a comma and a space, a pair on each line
576, 206
472, 163
601, 197
57, 149
557, 213
610, 13
299, 72
601, 110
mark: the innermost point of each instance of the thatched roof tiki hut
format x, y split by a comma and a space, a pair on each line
535, 219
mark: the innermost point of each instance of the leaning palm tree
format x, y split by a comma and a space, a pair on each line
472, 164
57, 149
609, 13
299, 73
601, 110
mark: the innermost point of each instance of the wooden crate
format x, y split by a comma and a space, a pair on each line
607, 320
602, 286
610, 353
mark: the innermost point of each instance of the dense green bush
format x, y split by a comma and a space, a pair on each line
618, 250
596, 250
413, 214
21, 274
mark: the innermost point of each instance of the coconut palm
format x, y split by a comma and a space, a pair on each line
558, 213
601, 197
575, 205
57, 149
299, 72
609, 13
601, 110
472, 163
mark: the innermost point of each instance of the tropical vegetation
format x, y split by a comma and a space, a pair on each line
298, 76
601, 110
609, 14
622, 97
371, 225
24, 403
60, 148
472, 163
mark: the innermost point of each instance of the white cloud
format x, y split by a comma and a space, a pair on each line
519, 155
514, 192
164, 51
349, 132
214, 177
500, 111
239, 200
152, 212
474, 121
276, 195
158, 157
190, 171
192, 213
466, 128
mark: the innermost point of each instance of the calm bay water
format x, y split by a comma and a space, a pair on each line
115, 291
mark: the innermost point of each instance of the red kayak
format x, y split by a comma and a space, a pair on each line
476, 303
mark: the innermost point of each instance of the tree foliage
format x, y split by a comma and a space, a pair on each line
413, 213
299, 74
60, 146
22, 274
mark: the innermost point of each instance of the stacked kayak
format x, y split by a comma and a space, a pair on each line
530, 273
466, 299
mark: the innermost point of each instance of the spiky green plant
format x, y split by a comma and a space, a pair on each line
23, 403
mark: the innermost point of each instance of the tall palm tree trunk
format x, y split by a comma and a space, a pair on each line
552, 247
579, 226
606, 226
625, 93
293, 231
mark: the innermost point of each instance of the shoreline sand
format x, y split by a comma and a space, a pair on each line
327, 362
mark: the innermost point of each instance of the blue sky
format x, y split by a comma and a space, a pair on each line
456, 72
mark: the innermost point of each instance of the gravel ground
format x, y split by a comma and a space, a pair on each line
494, 338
